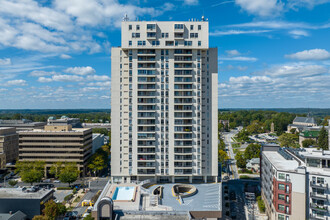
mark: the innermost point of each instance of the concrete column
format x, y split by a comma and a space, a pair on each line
173, 179
190, 179
205, 179
216, 179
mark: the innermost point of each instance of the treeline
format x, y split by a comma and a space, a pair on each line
88, 117
257, 121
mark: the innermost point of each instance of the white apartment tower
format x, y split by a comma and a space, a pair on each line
164, 103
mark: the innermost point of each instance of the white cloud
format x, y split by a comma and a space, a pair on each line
191, 2
247, 79
240, 58
38, 73
296, 70
5, 61
67, 78
237, 32
233, 52
16, 82
261, 7
98, 78
314, 54
294, 4
298, 33
87, 70
44, 79
242, 68
65, 56
101, 84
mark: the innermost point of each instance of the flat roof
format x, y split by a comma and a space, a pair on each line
280, 162
74, 130
17, 193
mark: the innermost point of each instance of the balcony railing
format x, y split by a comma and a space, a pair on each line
319, 185
319, 196
322, 208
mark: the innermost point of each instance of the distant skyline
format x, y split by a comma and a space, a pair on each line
272, 54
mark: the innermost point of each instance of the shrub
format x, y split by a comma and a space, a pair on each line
261, 204
63, 188
12, 182
74, 191
68, 197
244, 177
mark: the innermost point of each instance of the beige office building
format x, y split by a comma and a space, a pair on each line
164, 103
56, 143
8, 145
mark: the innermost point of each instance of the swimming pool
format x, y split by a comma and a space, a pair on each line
124, 193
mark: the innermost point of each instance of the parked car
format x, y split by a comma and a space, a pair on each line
46, 181
57, 181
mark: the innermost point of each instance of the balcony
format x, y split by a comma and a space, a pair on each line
321, 208
147, 65
179, 129
182, 59
146, 53
183, 72
182, 172
183, 108
150, 73
319, 196
184, 100
183, 87
151, 35
147, 101
146, 164
178, 35
146, 171
141, 93
146, 59
316, 217
182, 151
146, 87
146, 151
146, 157
183, 157
146, 136
319, 185
183, 79
183, 52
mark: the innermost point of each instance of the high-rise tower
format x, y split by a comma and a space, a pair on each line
164, 103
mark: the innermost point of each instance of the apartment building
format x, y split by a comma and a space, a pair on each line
294, 183
56, 143
8, 145
164, 102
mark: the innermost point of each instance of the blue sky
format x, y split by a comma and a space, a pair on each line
272, 53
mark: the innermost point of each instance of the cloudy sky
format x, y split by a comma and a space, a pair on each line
272, 53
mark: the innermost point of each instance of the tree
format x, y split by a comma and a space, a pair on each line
288, 140
222, 156
243, 135
222, 145
308, 142
69, 173
12, 182
255, 127
97, 164
323, 139
240, 160
31, 172
55, 169
40, 217
293, 130
252, 151
53, 210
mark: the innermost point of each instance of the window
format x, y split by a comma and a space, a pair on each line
130, 27
135, 35
164, 35
188, 43
178, 26
199, 43
199, 27
281, 196
281, 217
320, 180
137, 27
130, 43
191, 27
155, 43
281, 186
281, 176
281, 207
141, 43
151, 26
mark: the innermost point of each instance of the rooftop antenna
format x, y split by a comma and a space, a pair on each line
126, 17
203, 18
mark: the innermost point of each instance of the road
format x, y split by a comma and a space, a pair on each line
228, 141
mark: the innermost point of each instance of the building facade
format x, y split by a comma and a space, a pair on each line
294, 183
8, 145
164, 103
56, 144
22, 125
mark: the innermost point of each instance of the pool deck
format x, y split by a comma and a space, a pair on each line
126, 204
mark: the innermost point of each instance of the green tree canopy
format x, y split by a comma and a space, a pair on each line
308, 142
323, 139
69, 173
222, 156
252, 151
240, 160
288, 140
31, 172
53, 210
55, 169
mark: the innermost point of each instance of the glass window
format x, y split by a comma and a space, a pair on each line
199, 43
130, 43
130, 27
281, 196
281, 217
281, 176
192, 35
191, 27
188, 43
281, 186
178, 26
137, 27
281, 207
199, 27
320, 180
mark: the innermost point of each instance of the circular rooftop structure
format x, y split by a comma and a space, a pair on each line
184, 190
